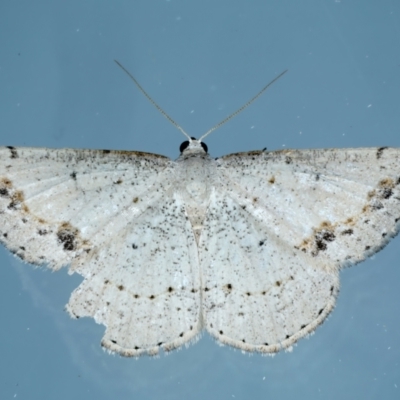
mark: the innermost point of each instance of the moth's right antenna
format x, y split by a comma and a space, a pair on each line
243, 107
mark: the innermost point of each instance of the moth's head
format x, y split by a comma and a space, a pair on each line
193, 146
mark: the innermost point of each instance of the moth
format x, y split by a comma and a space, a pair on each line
248, 246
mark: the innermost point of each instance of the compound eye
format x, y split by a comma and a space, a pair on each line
204, 146
184, 145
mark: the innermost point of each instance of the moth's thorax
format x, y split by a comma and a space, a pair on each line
196, 174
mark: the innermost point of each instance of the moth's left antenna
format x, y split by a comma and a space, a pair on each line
152, 101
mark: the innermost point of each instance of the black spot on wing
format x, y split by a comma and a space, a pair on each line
4, 192
348, 232
379, 152
67, 237
376, 205
16, 200
387, 193
13, 151
321, 240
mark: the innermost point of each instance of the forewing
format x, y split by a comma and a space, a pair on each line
115, 218
336, 205
52, 201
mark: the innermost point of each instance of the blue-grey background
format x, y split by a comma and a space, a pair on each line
200, 60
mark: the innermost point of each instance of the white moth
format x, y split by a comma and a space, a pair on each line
248, 246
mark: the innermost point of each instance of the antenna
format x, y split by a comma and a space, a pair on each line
229, 117
153, 102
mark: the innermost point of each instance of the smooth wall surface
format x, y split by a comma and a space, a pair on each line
200, 60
